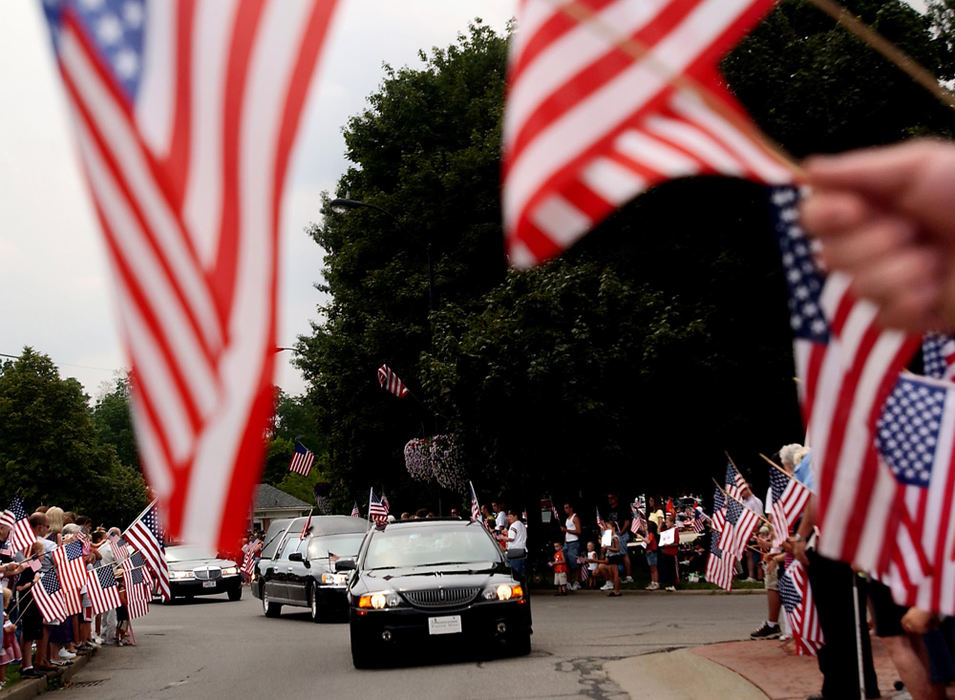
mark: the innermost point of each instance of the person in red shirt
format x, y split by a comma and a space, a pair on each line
560, 569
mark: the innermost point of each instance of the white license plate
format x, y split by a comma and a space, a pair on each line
444, 625
208, 584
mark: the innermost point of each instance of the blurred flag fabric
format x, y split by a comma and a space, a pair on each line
938, 356
609, 97
185, 115
847, 365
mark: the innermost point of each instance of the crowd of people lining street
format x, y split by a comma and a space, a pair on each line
37, 646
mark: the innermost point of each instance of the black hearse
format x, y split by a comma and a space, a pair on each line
299, 569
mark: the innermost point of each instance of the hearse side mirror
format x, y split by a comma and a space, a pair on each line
345, 565
295, 556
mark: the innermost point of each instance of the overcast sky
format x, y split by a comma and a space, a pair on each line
54, 289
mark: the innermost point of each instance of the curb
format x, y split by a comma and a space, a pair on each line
31, 687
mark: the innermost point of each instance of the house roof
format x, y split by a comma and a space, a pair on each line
267, 496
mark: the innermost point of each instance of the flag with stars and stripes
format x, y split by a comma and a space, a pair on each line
377, 510
846, 365
607, 98
185, 115
938, 356
119, 548
391, 383
788, 498
740, 523
718, 521
475, 506
146, 536
302, 460
795, 593
638, 523
21, 534
699, 520
70, 565
355, 513
48, 596
719, 565
103, 589
138, 593
915, 437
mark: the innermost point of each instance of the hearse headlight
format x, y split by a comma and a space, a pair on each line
334, 579
505, 592
377, 601
230, 571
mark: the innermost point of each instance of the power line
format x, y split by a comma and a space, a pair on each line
66, 364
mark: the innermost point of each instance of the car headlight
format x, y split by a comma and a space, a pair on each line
181, 574
230, 571
504, 592
334, 579
377, 601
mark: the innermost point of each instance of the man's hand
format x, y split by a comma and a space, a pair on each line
886, 216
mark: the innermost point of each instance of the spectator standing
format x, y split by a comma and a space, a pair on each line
621, 518
667, 563
653, 542
500, 518
655, 512
572, 531
10, 649
560, 569
516, 543
772, 562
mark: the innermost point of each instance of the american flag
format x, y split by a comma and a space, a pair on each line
185, 115
21, 534
147, 537
718, 521
609, 97
847, 365
248, 562
138, 594
740, 523
699, 520
719, 565
553, 509
103, 589
788, 499
355, 513
307, 526
118, 547
938, 356
915, 437
48, 596
302, 459
389, 382
377, 510
638, 523
70, 565
475, 506
796, 596
600, 522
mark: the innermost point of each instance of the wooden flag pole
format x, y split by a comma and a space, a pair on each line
639, 51
892, 53
780, 469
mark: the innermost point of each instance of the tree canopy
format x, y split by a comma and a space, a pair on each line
49, 449
636, 359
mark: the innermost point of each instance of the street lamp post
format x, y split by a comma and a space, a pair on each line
345, 204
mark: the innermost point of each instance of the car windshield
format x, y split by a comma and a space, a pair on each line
188, 553
339, 545
397, 547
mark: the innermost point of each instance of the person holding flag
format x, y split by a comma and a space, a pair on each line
572, 531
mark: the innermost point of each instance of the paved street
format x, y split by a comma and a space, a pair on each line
213, 646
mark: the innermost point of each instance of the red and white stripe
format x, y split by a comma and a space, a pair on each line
102, 599
52, 607
72, 573
843, 386
391, 383
588, 126
144, 541
187, 185
786, 511
804, 620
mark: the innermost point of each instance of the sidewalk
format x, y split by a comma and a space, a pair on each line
31, 687
741, 670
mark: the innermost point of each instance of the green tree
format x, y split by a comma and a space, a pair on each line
659, 341
113, 424
48, 447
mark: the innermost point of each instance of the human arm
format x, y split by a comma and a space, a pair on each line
797, 543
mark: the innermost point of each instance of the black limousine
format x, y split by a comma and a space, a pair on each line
299, 569
437, 581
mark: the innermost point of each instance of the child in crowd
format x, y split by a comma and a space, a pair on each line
560, 569
591, 562
652, 543
11, 649
122, 620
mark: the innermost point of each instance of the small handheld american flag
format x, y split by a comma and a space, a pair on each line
796, 596
355, 513
475, 506
377, 510
21, 534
